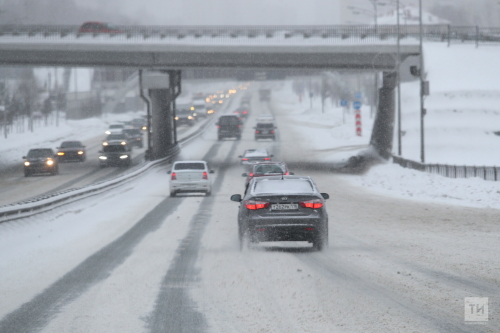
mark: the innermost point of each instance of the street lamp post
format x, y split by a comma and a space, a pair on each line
422, 92
398, 78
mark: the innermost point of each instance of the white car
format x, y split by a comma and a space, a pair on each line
115, 129
190, 176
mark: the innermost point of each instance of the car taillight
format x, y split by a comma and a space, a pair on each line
244, 112
254, 205
174, 176
250, 175
239, 125
272, 132
267, 158
205, 175
244, 159
314, 204
257, 132
287, 173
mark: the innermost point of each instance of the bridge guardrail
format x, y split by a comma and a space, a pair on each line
438, 32
451, 171
53, 200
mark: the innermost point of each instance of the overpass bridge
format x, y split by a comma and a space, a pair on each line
166, 51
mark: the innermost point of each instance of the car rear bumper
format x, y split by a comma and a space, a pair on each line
290, 229
186, 187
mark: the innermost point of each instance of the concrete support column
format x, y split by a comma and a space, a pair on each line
161, 122
383, 127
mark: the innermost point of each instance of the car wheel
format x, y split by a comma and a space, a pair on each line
173, 193
238, 137
208, 193
319, 243
27, 173
220, 138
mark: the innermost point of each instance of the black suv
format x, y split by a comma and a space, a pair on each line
229, 127
115, 153
265, 131
40, 160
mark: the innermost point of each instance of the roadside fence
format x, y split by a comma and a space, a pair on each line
451, 171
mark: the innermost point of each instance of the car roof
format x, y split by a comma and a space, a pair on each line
291, 179
190, 162
256, 152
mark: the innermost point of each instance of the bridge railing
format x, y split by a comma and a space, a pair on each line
342, 32
451, 171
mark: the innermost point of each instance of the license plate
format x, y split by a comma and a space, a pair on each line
284, 206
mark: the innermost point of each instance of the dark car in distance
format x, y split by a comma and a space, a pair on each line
185, 117
134, 137
284, 208
265, 131
115, 154
40, 160
71, 151
229, 126
253, 156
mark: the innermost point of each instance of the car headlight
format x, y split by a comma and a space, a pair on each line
50, 162
194, 114
123, 143
60, 153
80, 152
104, 143
144, 127
27, 163
124, 157
176, 118
190, 117
103, 158
107, 132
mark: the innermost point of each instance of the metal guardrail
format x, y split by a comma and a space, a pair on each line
452, 171
50, 201
343, 32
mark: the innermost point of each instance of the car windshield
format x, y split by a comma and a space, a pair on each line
263, 169
116, 137
189, 166
283, 186
71, 144
40, 153
265, 125
230, 120
256, 153
116, 126
114, 149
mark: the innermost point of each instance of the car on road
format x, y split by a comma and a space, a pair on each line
199, 106
243, 112
71, 151
265, 131
139, 123
185, 116
134, 137
115, 154
253, 156
40, 160
266, 169
115, 129
190, 176
229, 126
118, 139
284, 208
98, 27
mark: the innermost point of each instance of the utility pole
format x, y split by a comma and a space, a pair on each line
398, 78
422, 109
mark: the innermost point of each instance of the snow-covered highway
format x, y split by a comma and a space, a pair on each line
136, 260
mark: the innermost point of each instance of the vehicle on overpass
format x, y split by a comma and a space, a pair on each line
40, 160
265, 95
229, 126
265, 131
115, 154
253, 156
283, 208
266, 169
98, 27
71, 151
190, 177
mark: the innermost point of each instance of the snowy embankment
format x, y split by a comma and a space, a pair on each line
462, 115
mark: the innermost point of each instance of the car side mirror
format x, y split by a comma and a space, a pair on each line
271, 155
83, 146
291, 173
236, 197
24, 157
169, 172
325, 196
240, 156
211, 171
58, 147
254, 127
244, 175
100, 152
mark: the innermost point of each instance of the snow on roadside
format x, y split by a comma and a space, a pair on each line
395, 181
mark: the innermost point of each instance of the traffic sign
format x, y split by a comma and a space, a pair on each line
343, 102
359, 95
357, 105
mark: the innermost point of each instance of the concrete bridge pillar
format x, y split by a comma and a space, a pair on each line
163, 88
383, 127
